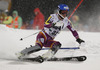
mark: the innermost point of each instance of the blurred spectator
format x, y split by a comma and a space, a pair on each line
4, 5
17, 20
75, 20
7, 19
76, 24
38, 19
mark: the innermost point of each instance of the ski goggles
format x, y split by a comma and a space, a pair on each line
64, 12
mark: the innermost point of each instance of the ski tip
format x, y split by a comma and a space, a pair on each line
21, 39
82, 58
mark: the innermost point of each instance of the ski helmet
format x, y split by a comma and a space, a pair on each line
63, 7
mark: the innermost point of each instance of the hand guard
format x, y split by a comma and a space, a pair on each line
80, 40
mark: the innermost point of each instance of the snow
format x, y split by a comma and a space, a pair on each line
10, 44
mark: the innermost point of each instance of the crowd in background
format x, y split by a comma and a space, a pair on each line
14, 20
92, 26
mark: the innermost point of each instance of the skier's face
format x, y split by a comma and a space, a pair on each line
14, 14
35, 13
64, 13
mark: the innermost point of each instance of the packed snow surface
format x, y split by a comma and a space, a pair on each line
10, 43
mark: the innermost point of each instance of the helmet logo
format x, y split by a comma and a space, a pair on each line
66, 8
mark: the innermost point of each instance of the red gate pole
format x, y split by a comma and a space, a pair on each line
75, 9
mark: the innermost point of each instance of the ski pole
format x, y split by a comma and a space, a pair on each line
29, 35
75, 9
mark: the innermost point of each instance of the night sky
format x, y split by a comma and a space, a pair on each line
87, 9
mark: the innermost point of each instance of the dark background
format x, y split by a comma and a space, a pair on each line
88, 8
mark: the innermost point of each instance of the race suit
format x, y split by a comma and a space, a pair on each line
46, 36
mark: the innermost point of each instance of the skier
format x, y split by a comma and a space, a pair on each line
54, 24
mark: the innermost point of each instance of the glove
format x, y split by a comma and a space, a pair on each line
80, 40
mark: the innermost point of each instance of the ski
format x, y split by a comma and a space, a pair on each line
76, 58
40, 59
